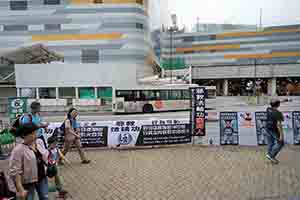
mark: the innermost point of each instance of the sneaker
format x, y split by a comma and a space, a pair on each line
62, 193
276, 161
273, 160
268, 157
85, 162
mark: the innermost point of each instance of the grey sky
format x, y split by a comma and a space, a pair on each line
275, 12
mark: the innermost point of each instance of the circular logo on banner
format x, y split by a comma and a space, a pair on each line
125, 138
17, 103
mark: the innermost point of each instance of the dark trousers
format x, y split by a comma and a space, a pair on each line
274, 145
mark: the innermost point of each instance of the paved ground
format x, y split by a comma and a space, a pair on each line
183, 173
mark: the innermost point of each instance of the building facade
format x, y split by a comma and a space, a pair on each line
102, 42
211, 27
242, 63
159, 13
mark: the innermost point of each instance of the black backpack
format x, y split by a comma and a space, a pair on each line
40, 165
62, 127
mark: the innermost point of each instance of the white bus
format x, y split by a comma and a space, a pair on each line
148, 99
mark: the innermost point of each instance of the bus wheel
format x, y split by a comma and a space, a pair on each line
148, 108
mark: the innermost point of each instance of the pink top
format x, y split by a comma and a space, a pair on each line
24, 163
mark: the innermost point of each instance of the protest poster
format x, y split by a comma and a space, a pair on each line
198, 111
296, 127
229, 133
261, 128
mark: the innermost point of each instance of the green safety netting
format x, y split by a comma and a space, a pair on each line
87, 93
6, 137
7, 143
174, 64
105, 93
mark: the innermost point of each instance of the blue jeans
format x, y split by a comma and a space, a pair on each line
30, 188
274, 145
42, 189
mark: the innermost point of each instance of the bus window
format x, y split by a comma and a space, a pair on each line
186, 94
143, 96
176, 95
128, 95
125, 94
157, 95
164, 94
135, 96
150, 95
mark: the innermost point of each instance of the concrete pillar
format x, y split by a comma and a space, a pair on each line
18, 92
37, 93
225, 87
76, 93
191, 74
274, 87
270, 87
163, 73
57, 93
218, 87
96, 92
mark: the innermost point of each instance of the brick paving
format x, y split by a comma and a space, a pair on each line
183, 173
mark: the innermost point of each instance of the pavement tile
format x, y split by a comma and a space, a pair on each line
183, 173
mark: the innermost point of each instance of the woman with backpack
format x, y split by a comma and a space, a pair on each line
27, 167
72, 135
35, 118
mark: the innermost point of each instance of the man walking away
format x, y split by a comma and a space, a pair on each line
274, 131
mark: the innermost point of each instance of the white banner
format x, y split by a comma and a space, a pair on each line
131, 133
124, 133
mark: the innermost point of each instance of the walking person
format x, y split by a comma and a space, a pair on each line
72, 135
52, 170
274, 134
35, 118
32, 117
26, 168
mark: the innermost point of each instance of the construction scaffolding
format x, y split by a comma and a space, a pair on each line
35, 54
